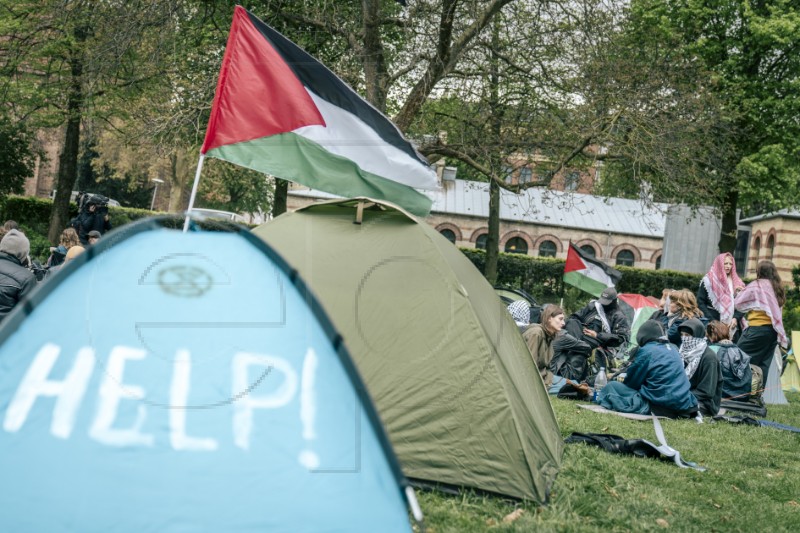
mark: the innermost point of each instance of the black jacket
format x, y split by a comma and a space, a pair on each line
620, 329
704, 304
706, 383
15, 282
86, 222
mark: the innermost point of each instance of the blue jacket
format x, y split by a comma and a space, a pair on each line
657, 373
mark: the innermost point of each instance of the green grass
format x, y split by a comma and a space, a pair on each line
752, 482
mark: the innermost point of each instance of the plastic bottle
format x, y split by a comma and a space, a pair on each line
599, 382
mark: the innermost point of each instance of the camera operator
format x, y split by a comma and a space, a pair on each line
92, 217
16, 280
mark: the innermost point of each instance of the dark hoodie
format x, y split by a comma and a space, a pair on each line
706, 381
657, 373
15, 280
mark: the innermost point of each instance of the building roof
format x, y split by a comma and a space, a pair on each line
553, 208
783, 213
544, 207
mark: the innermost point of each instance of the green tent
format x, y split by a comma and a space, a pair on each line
444, 362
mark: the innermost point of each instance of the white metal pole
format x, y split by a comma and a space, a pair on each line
153, 201
194, 191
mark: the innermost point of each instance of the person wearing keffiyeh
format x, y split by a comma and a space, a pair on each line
763, 301
701, 365
717, 290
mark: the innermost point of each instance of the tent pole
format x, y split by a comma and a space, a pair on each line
416, 510
194, 191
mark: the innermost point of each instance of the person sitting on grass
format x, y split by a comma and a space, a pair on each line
702, 366
682, 307
655, 382
539, 338
737, 376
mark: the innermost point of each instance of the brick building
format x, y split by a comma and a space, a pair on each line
775, 236
540, 222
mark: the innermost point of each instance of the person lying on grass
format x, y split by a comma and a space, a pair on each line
656, 381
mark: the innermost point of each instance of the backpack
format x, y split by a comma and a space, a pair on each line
574, 367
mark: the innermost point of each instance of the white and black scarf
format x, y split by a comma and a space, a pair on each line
692, 350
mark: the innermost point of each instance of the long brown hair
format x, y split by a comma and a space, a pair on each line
767, 270
686, 302
547, 313
717, 331
69, 238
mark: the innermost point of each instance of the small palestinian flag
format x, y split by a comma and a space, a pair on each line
280, 111
637, 309
587, 273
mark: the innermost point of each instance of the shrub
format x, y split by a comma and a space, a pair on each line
33, 216
542, 278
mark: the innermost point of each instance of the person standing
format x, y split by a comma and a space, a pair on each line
762, 301
16, 280
93, 217
717, 290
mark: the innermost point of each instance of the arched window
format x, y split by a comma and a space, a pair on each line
770, 247
625, 258
658, 263
480, 242
449, 235
547, 249
516, 245
589, 250
757, 247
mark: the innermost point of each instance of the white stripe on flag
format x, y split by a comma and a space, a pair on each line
348, 136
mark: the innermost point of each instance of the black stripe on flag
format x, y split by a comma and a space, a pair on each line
325, 84
613, 273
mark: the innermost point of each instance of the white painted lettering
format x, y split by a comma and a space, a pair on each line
245, 403
178, 401
112, 390
69, 393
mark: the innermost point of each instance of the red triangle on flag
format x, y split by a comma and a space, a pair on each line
258, 94
574, 261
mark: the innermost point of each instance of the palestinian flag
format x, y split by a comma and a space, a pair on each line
281, 112
637, 309
587, 273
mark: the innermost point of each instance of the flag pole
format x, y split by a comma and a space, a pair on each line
194, 191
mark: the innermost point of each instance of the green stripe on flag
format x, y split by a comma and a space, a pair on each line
640, 317
577, 279
293, 157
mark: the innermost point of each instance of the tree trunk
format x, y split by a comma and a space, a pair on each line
68, 160
727, 237
493, 238
281, 194
373, 60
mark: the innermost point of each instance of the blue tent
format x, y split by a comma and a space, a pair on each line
171, 381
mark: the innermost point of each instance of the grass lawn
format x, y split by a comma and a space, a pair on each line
752, 482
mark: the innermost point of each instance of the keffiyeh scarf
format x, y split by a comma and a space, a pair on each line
520, 311
759, 296
691, 350
601, 314
720, 288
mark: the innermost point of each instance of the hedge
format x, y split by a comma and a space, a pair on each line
542, 277
33, 217
539, 276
